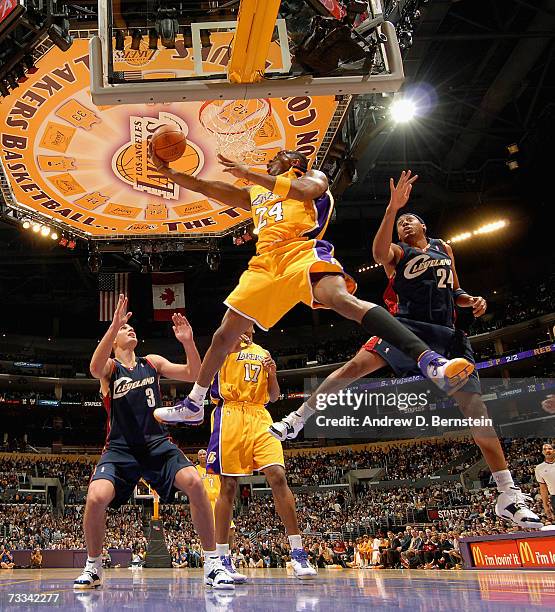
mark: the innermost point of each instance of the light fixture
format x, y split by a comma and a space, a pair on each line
513, 149
54, 236
45, 230
26, 224
403, 110
59, 35
512, 164
167, 27
30, 64
4, 89
36, 228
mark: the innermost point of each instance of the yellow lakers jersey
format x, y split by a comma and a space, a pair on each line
211, 483
242, 378
277, 218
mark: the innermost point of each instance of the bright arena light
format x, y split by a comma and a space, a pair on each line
402, 110
45, 230
484, 229
54, 236
26, 224
36, 227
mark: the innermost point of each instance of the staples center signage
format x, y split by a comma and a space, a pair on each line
87, 166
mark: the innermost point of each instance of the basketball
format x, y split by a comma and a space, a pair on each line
169, 143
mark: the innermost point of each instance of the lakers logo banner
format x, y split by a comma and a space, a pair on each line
88, 167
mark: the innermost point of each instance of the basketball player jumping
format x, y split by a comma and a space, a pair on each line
137, 446
291, 207
241, 443
422, 293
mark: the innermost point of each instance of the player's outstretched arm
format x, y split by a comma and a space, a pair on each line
187, 372
224, 192
101, 362
273, 385
383, 249
308, 187
463, 299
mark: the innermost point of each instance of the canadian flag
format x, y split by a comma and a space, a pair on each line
168, 295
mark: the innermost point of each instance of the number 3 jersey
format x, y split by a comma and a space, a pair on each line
133, 396
421, 287
242, 378
278, 219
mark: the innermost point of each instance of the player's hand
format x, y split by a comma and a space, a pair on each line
548, 404
400, 193
235, 168
245, 339
159, 164
269, 365
182, 328
121, 316
479, 306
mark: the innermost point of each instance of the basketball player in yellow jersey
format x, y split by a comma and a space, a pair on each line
240, 443
291, 207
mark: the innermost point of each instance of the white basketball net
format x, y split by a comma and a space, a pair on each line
234, 123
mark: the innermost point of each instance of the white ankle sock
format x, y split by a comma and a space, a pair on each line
222, 550
295, 541
198, 394
305, 412
94, 560
503, 480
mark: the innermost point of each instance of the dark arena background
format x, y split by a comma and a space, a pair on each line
394, 512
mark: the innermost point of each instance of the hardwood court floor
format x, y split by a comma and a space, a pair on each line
162, 590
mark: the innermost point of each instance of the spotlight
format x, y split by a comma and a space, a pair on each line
20, 73
71, 244
36, 228
136, 39
59, 36
513, 149
120, 40
12, 80
26, 224
213, 260
512, 164
153, 39
94, 261
63, 241
54, 236
402, 110
4, 89
45, 230
167, 27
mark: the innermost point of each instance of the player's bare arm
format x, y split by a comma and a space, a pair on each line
224, 192
477, 303
188, 371
308, 187
544, 492
101, 361
384, 251
273, 386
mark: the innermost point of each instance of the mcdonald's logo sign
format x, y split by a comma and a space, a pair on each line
526, 554
478, 556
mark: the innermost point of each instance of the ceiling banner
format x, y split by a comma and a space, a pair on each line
87, 166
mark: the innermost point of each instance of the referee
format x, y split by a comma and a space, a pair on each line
545, 475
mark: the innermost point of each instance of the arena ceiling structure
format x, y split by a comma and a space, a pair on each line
482, 78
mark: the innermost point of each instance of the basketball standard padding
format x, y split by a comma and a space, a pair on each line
169, 143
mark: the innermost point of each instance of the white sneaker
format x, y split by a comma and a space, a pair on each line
448, 374
216, 576
91, 578
288, 428
185, 411
230, 568
513, 506
301, 565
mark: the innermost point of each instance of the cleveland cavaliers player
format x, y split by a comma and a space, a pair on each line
422, 293
137, 446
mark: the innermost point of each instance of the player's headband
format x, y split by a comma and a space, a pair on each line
411, 215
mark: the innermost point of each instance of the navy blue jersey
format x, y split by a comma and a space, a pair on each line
134, 394
421, 288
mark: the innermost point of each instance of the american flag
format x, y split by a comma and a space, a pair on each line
109, 288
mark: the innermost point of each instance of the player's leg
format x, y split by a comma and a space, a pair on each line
187, 479
511, 503
224, 518
285, 507
362, 364
191, 409
100, 494
450, 375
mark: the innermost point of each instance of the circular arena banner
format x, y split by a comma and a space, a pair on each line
87, 166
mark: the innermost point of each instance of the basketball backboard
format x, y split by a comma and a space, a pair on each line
173, 55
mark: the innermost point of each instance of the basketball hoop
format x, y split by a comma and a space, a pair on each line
234, 123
